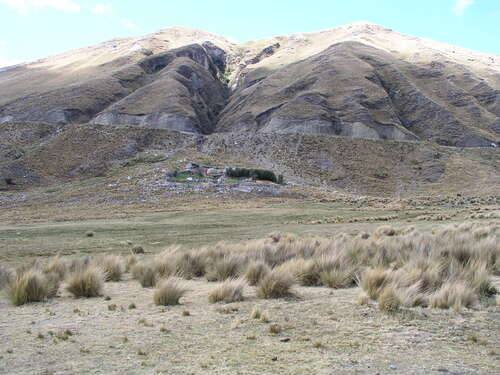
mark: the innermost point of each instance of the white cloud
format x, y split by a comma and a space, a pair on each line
461, 5
25, 6
102, 9
8, 62
3, 43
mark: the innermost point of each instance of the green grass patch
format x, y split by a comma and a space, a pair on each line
144, 158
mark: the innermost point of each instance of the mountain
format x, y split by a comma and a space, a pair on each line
304, 92
360, 80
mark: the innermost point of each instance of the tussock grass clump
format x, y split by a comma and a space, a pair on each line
28, 286
130, 261
164, 262
86, 283
384, 230
227, 292
145, 274
79, 264
294, 267
275, 329
169, 292
56, 266
6, 276
388, 300
454, 293
480, 281
224, 268
53, 283
338, 278
189, 265
256, 313
308, 274
277, 284
448, 268
163, 267
256, 271
112, 267
374, 280
362, 299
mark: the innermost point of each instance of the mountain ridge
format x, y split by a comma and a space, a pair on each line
407, 88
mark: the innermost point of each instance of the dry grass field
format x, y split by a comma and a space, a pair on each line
352, 297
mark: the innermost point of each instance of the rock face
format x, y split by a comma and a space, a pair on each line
164, 80
358, 81
184, 94
355, 90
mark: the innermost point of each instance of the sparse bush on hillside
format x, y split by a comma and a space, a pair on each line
169, 292
28, 286
137, 250
229, 291
258, 174
86, 283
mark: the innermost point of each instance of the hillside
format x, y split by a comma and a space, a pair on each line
344, 92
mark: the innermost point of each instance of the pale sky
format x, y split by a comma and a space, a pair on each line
31, 29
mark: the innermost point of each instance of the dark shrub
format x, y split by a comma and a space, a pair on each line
258, 174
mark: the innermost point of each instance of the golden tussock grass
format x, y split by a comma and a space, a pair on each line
256, 271
145, 274
130, 261
28, 286
31, 285
449, 266
86, 283
6, 275
229, 291
276, 284
227, 267
169, 292
56, 266
112, 267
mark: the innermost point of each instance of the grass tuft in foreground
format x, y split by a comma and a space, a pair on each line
227, 292
277, 284
86, 283
28, 286
169, 292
